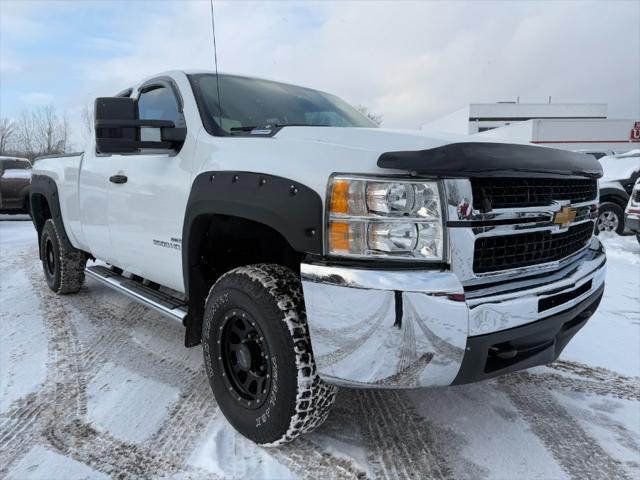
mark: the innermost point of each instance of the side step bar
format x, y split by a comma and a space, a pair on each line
161, 302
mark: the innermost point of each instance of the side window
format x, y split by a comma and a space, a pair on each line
16, 164
158, 103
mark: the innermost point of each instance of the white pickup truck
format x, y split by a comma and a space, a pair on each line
307, 249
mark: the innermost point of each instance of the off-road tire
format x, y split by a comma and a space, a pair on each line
611, 209
297, 400
63, 267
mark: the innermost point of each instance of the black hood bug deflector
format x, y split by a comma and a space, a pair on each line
481, 159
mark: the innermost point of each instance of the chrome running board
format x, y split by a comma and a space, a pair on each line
161, 302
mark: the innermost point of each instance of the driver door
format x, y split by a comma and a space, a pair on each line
148, 193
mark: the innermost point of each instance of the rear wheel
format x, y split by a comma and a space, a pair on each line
258, 355
610, 218
63, 267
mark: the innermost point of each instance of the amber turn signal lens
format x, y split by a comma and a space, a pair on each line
340, 197
339, 237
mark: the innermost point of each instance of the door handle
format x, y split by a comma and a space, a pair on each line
118, 179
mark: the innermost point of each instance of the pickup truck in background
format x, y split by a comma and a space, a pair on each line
620, 173
15, 180
307, 249
632, 212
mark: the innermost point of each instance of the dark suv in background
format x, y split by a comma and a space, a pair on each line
15, 183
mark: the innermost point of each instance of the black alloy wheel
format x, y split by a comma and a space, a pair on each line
50, 257
243, 359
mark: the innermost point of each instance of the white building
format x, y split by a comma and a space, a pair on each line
480, 117
570, 126
581, 134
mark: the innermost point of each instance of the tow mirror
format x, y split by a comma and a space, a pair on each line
118, 128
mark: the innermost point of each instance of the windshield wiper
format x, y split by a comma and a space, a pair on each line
251, 128
299, 125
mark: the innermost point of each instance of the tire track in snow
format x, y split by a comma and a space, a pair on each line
61, 420
613, 384
579, 454
303, 458
63, 395
598, 380
187, 419
104, 453
402, 443
117, 333
19, 429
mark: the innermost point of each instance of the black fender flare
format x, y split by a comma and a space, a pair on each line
292, 209
617, 195
46, 186
25, 192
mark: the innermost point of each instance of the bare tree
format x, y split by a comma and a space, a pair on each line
86, 116
26, 134
375, 118
42, 131
7, 134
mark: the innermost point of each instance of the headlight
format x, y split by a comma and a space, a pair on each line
384, 218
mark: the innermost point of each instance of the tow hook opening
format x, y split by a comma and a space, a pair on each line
504, 351
502, 355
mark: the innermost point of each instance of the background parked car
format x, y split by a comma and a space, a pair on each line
15, 183
620, 174
632, 212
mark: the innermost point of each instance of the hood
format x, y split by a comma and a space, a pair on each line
620, 167
444, 155
379, 140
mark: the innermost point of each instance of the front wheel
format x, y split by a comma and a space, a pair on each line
258, 356
610, 218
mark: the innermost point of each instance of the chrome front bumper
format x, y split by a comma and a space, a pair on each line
632, 222
407, 329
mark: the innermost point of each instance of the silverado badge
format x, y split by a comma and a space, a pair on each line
565, 216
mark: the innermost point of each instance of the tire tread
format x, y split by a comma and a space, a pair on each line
282, 287
72, 263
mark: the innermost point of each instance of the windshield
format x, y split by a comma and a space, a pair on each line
250, 103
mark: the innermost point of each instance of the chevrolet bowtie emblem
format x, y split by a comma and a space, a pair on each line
564, 217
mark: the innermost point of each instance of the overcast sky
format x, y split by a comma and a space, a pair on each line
409, 62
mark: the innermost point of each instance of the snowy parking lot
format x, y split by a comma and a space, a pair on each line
94, 385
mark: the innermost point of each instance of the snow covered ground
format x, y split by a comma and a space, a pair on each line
96, 386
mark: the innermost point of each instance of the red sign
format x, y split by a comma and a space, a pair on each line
634, 136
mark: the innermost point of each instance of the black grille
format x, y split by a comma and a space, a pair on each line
491, 193
636, 196
522, 250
